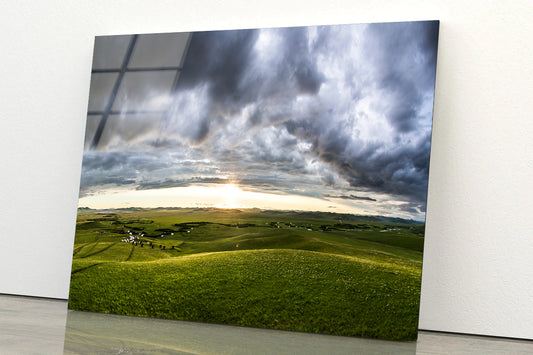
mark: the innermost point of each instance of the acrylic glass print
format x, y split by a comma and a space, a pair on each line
272, 178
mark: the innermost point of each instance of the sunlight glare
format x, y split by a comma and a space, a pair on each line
229, 194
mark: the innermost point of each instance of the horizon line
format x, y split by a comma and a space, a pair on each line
248, 208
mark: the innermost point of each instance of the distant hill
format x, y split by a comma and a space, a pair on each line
345, 217
317, 215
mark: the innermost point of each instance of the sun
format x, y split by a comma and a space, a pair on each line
229, 196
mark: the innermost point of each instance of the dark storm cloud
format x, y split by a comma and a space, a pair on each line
404, 47
298, 61
219, 58
164, 143
269, 150
414, 209
428, 46
118, 179
228, 64
216, 61
400, 170
148, 185
105, 169
226, 61
125, 168
349, 197
110, 161
405, 55
246, 183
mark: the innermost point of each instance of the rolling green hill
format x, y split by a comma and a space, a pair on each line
316, 272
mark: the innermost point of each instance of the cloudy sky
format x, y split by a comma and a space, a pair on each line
331, 118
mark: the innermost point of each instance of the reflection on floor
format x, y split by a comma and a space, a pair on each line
90, 331
42, 326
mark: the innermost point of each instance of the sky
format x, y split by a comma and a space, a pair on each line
327, 118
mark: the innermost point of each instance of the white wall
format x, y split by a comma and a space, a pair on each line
478, 270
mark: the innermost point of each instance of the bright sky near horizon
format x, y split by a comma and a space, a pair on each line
219, 196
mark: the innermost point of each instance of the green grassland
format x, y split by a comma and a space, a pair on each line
306, 271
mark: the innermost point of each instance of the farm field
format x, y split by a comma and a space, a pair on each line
305, 271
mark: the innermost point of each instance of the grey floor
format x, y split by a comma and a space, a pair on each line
42, 326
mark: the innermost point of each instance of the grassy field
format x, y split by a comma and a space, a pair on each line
306, 271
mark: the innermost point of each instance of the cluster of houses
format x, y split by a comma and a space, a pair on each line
136, 241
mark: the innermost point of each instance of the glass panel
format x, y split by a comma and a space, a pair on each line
109, 51
90, 130
145, 91
122, 131
101, 87
159, 50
